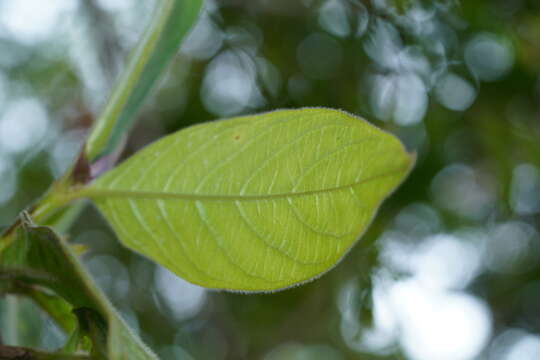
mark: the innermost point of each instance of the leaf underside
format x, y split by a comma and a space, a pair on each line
255, 203
39, 252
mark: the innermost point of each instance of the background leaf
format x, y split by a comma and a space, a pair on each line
171, 23
253, 203
39, 258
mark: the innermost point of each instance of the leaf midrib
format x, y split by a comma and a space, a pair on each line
93, 193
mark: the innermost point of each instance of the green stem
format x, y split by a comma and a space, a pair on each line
158, 45
104, 126
58, 196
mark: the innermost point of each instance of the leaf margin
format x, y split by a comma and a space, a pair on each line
93, 194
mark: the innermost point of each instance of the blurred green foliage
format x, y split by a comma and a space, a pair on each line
451, 267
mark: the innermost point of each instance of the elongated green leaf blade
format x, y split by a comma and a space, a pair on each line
39, 257
162, 40
254, 203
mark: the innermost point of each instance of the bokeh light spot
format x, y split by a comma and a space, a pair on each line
184, 300
489, 57
525, 189
32, 21
23, 125
229, 86
334, 18
512, 247
454, 92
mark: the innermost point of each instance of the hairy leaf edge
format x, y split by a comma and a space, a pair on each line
92, 193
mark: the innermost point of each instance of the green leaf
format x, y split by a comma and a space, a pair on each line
254, 203
57, 308
160, 43
38, 257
